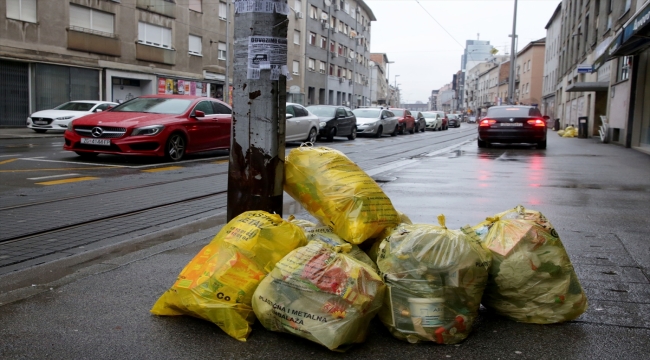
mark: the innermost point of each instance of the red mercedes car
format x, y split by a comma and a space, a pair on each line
154, 125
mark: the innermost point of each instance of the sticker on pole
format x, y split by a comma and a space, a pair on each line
266, 53
262, 6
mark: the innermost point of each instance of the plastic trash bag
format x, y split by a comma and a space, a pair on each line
338, 193
435, 279
218, 284
532, 279
320, 294
326, 235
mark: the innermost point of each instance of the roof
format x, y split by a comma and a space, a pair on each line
539, 42
555, 14
367, 9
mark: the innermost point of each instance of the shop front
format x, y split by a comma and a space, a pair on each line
14, 93
125, 85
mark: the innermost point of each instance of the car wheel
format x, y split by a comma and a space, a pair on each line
394, 133
541, 145
481, 143
175, 147
423, 129
311, 138
401, 129
413, 130
380, 132
40, 131
86, 155
353, 135
416, 128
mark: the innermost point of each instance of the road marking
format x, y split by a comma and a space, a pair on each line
168, 168
65, 181
60, 169
220, 162
10, 155
71, 162
7, 161
51, 176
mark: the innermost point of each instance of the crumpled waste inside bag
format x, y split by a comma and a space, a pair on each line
218, 283
435, 279
320, 294
531, 279
338, 193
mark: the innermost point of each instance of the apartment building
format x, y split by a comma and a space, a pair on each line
53, 51
378, 79
473, 86
530, 73
336, 51
551, 62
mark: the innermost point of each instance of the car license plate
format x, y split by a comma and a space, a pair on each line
103, 142
40, 122
512, 124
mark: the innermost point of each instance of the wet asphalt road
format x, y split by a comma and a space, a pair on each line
597, 196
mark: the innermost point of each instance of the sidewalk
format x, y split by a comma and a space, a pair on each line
25, 133
595, 195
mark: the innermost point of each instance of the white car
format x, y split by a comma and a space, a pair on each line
433, 119
301, 124
376, 122
60, 117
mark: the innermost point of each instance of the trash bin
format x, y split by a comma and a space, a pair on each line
556, 126
583, 126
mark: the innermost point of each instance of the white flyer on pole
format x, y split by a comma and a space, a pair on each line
266, 53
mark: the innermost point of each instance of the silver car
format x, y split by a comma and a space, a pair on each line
302, 125
376, 122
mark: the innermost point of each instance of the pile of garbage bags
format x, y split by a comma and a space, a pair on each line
326, 281
570, 131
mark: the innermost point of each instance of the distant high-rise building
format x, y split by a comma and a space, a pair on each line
476, 51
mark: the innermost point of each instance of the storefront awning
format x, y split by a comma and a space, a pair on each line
588, 86
635, 36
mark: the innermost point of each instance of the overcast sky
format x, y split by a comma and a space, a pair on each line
427, 53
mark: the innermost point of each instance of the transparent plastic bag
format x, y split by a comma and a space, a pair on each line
435, 279
320, 294
338, 193
531, 279
218, 283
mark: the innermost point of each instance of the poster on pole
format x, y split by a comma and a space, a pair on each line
267, 53
262, 6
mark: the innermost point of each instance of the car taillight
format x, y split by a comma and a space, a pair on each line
537, 122
487, 122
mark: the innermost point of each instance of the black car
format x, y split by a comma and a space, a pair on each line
512, 124
335, 121
454, 120
420, 122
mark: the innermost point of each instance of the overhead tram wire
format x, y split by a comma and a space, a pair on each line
439, 24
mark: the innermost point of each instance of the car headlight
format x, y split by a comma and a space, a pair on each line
323, 124
64, 118
148, 130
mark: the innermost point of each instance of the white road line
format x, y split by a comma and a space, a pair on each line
180, 162
10, 155
51, 176
71, 162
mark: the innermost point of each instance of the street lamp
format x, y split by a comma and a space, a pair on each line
395, 89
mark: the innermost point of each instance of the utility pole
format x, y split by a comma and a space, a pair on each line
513, 57
257, 149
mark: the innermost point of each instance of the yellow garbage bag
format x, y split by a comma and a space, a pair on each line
320, 294
532, 279
560, 133
338, 193
435, 279
218, 284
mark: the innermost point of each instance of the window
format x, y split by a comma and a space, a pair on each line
91, 19
312, 38
154, 35
623, 72
340, 26
297, 5
340, 49
331, 69
24, 10
321, 67
296, 67
300, 111
223, 10
195, 45
628, 3
311, 64
323, 42
333, 22
296, 37
313, 12
222, 51
332, 46
195, 5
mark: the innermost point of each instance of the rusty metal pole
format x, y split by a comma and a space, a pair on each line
257, 149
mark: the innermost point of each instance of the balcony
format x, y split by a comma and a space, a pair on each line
93, 41
155, 54
162, 7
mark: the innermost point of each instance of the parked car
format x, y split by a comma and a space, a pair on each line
420, 122
301, 124
153, 125
445, 122
512, 124
376, 121
335, 121
60, 117
433, 119
454, 120
471, 119
406, 120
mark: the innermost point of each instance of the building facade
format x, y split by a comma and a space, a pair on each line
378, 79
530, 72
551, 62
60, 50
